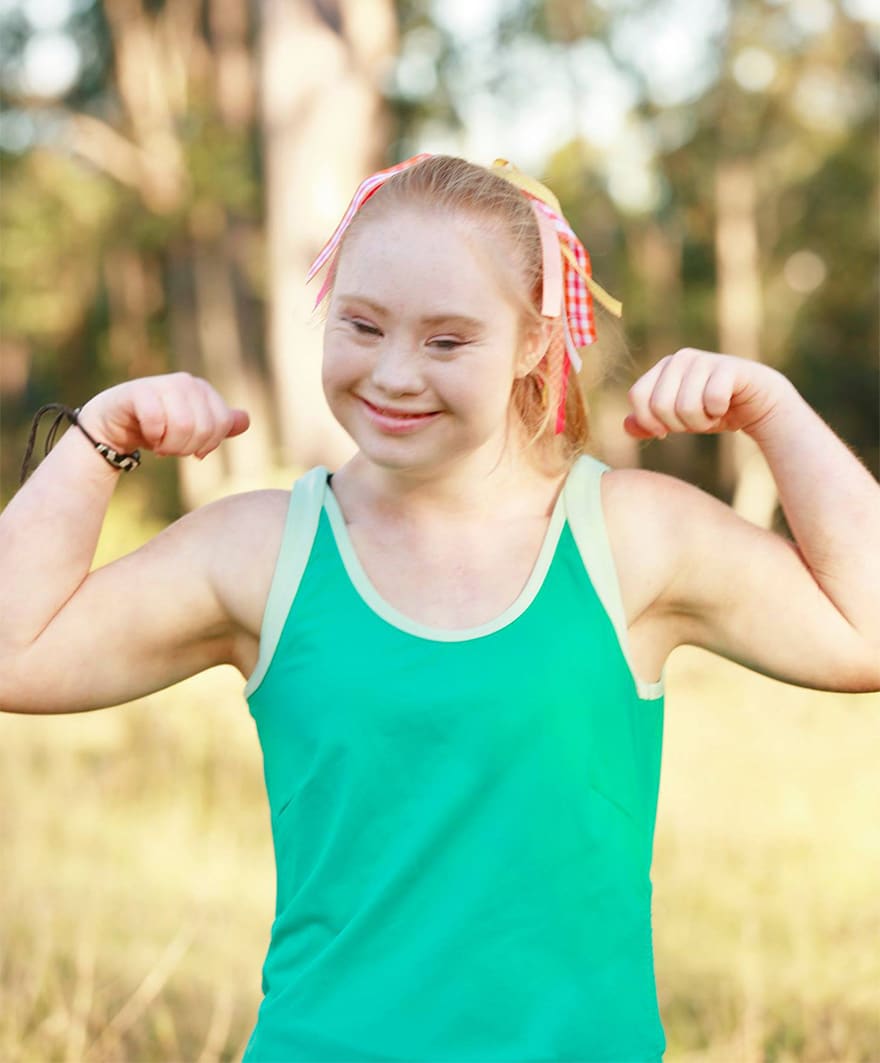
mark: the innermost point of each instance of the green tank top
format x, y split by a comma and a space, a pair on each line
462, 819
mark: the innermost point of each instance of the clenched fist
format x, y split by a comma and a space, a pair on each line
703, 392
171, 414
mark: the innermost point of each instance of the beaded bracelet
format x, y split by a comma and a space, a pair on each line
123, 462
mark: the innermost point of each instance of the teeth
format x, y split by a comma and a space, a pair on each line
400, 415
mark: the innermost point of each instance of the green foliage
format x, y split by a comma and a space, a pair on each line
94, 265
834, 331
55, 218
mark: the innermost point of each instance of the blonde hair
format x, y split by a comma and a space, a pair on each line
448, 183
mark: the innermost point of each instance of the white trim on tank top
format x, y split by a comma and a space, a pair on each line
391, 615
579, 501
300, 526
586, 518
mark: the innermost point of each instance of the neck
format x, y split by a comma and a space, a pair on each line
471, 488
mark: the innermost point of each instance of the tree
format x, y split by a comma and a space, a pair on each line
323, 132
152, 151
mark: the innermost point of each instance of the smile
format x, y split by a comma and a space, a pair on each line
397, 421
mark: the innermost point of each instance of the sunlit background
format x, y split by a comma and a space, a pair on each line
167, 172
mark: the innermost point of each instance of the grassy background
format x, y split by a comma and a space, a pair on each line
137, 887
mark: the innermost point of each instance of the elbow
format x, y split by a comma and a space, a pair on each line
863, 675
19, 693
8, 667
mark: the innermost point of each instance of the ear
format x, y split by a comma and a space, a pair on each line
534, 346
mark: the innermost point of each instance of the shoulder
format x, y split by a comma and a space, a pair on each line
676, 546
242, 534
653, 522
242, 511
247, 523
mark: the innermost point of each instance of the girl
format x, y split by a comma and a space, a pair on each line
454, 644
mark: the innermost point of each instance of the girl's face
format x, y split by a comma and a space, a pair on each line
421, 345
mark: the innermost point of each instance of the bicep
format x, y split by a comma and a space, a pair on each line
134, 626
748, 594
696, 573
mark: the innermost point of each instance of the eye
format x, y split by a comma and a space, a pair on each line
445, 343
363, 327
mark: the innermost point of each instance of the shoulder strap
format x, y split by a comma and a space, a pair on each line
303, 513
586, 518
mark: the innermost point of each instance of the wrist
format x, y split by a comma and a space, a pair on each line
119, 459
781, 398
91, 418
115, 458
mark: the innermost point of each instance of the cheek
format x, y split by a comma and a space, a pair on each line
482, 395
341, 363
336, 377
494, 376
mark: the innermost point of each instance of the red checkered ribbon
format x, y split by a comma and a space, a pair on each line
578, 321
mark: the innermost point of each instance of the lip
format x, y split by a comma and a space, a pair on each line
397, 422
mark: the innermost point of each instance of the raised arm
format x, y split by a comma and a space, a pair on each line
807, 612
71, 639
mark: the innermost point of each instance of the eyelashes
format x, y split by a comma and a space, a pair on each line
363, 328
445, 345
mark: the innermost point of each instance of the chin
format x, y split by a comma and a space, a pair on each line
423, 462
392, 456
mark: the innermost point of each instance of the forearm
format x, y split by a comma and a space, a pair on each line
48, 535
831, 503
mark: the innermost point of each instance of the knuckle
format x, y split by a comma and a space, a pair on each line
688, 406
152, 420
184, 424
715, 401
659, 405
716, 396
642, 388
695, 421
204, 387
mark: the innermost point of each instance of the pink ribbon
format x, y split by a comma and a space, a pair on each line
365, 189
551, 281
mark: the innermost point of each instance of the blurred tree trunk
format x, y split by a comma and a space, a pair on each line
325, 128
658, 258
743, 471
235, 87
164, 66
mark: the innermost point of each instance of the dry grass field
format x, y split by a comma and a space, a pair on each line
137, 881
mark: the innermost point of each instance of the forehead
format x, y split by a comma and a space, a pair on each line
413, 252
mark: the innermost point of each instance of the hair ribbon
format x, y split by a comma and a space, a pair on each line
364, 190
562, 247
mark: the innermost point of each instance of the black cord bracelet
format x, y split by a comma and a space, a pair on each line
123, 462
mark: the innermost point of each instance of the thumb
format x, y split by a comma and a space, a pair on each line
240, 423
632, 427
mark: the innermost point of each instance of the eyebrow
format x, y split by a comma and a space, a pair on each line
428, 319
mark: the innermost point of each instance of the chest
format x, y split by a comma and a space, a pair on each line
447, 581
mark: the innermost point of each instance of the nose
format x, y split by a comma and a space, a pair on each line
396, 369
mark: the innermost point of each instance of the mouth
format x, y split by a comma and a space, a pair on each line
390, 418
